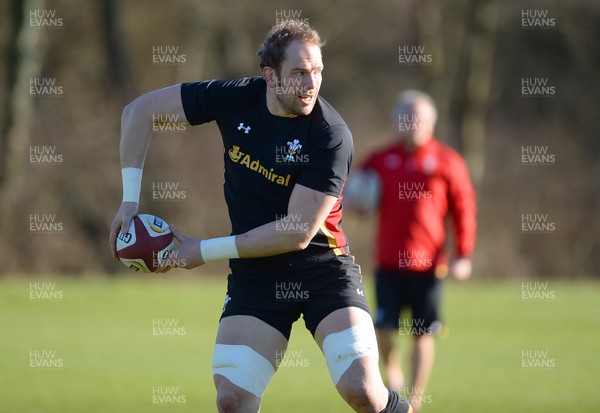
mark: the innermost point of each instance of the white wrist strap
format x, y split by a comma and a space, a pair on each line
132, 184
218, 248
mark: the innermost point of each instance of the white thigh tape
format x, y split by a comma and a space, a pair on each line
243, 366
342, 348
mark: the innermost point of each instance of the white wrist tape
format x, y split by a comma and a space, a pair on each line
132, 184
218, 249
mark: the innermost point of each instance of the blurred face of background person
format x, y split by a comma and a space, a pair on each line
415, 116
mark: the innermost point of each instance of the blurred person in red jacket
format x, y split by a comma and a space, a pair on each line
414, 184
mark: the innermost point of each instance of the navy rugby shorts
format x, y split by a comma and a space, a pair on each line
314, 292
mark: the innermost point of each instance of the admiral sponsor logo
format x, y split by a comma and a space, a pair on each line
244, 159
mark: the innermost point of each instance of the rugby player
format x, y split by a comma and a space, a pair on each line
287, 154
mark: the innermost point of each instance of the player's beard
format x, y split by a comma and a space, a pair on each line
292, 104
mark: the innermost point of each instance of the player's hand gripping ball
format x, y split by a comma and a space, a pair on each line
148, 242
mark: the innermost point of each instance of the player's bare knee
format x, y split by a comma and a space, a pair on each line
355, 393
358, 400
228, 403
232, 403
232, 399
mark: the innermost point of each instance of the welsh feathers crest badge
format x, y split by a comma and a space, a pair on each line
293, 149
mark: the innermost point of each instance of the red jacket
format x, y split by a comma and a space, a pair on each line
418, 191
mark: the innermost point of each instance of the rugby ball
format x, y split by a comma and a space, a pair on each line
147, 243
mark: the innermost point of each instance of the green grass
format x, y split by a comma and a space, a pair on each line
101, 329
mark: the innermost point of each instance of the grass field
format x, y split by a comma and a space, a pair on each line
90, 346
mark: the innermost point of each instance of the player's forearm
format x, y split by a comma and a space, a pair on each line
264, 241
272, 239
307, 210
136, 130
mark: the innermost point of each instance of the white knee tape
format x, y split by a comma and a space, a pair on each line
342, 348
243, 366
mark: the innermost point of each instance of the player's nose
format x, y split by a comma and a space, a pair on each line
311, 82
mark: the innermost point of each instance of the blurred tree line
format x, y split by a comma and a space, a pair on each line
86, 59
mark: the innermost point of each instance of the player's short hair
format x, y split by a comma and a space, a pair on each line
272, 51
408, 98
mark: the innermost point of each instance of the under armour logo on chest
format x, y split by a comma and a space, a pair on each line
246, 129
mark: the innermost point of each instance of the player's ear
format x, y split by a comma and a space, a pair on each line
270, 76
